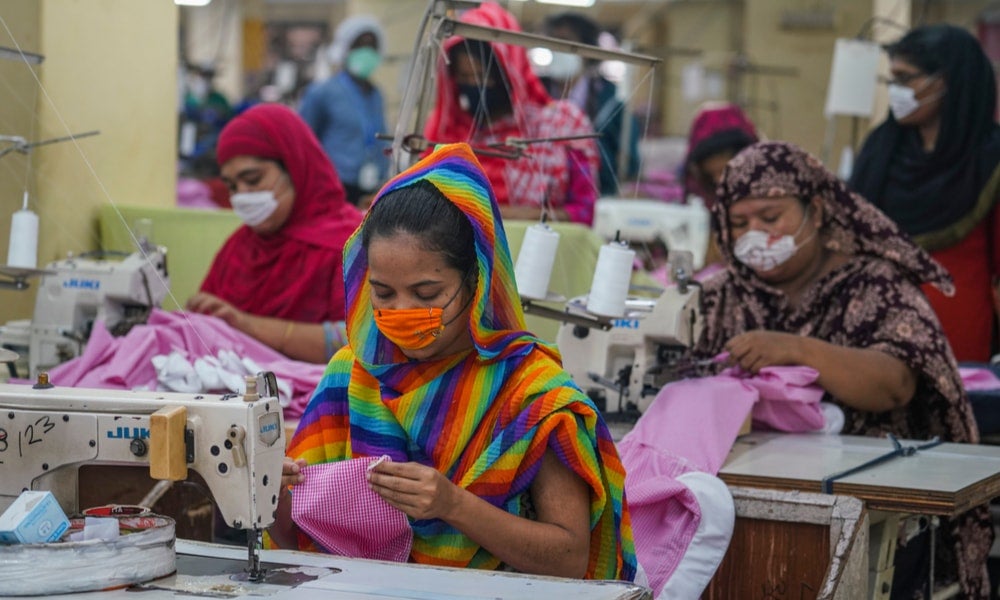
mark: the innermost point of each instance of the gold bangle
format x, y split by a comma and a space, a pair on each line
288, 333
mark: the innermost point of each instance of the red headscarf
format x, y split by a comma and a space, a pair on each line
297, 273
543, 171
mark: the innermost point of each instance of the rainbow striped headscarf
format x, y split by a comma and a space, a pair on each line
485, 417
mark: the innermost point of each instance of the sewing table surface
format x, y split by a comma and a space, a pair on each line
352, 579
946, 480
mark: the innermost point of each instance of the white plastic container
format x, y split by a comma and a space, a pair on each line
144, 551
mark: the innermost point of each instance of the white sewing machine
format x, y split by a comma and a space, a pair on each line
679, 226
623, 367
235, 443
76, 292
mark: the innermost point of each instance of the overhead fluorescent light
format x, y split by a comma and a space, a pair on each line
577, 3
192, 2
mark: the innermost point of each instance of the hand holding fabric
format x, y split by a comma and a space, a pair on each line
291, 471
419, 491
754, 350
210, 304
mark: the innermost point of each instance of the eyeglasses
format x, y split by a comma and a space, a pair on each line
902, 78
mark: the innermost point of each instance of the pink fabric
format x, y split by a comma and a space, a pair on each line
193, 193
335, 506
691, 426
662, 273
125, 362
665, 512
978, 380
787, 401
697, 419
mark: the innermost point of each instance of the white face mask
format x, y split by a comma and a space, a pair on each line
761, 252
903, 99
565, 66
254, 207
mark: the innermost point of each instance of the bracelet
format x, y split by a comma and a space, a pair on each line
288, 333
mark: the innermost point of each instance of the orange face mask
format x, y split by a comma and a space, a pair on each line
414, 328
410, 328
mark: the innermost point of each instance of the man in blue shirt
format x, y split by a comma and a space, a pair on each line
346, 110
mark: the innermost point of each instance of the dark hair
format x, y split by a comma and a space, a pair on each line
922, 47
483, 53
585, 27
421, 210
499, 102
727, 140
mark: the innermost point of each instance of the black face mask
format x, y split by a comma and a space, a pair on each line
481, 102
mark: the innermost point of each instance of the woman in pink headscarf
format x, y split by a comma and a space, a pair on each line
279, 278
487, 94
719, 131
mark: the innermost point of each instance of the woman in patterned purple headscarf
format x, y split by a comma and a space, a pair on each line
816, 276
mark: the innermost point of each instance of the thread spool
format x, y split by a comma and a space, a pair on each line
609, 289
23, 249
535, 260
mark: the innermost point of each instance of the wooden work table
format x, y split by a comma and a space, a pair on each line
945, 480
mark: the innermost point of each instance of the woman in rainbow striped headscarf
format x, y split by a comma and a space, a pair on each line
498, 460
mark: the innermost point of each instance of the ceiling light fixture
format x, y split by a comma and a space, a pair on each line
576, 3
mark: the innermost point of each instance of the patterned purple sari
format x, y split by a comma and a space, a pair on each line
871, 301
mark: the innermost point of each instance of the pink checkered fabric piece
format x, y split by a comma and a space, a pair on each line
337, 509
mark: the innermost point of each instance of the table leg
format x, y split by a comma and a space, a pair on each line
883, 533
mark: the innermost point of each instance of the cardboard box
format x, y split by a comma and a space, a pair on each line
34, 518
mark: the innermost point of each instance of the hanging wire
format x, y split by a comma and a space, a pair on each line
100, 183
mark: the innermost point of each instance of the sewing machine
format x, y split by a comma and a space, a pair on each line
77, 291
637, 354
235, 443
639, 221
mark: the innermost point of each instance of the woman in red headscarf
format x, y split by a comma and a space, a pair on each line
488, 94
279, 278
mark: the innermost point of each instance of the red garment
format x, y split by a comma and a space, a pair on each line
968, 318
297, 273
219, 191
544, 173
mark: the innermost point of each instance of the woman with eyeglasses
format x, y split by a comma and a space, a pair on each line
932, 166
279, 277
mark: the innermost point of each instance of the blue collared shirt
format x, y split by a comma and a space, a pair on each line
346, 119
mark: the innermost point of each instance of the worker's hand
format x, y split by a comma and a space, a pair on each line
210, 304
754, 350
419, 491
291, 471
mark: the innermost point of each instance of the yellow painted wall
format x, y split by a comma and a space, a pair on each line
716, 29
110, 65
791, 108
17, 112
